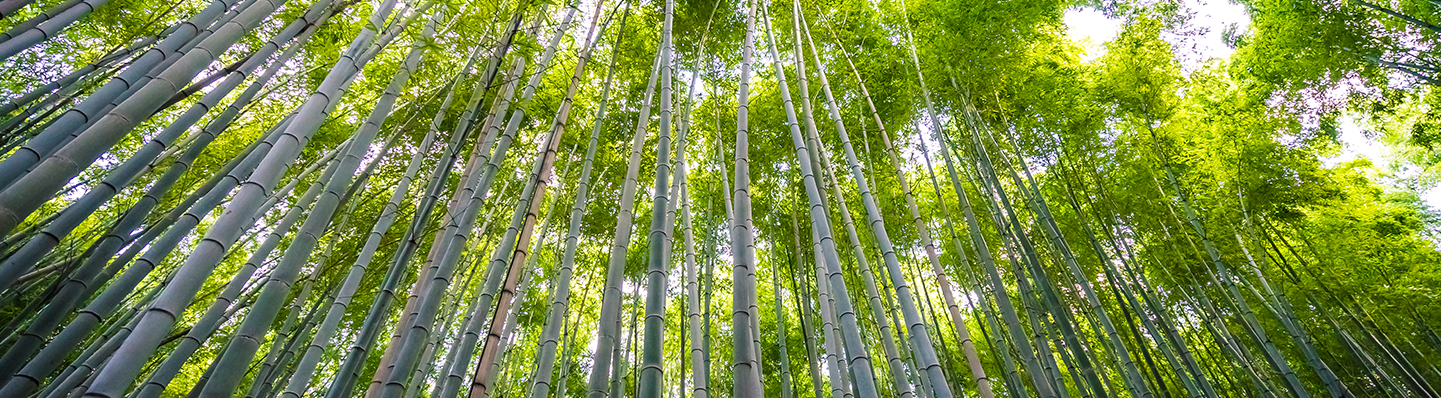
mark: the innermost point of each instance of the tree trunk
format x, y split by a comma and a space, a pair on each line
62, 128
118, 178
202, 329
113, 380
607, 328
482, 383
349, 369
55, 20
560, 298
658, 253
897, 371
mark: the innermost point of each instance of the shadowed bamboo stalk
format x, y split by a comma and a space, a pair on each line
700, 378
208, 323
891, 151
839, 373
469, 331
858, 359
317, 221
349, 369
700, 382
379, 307
1003, 300
926, 355
452, 357
174, 226
450, 241
1389, 350
45, 27
8, 8
651, 376
308, 361
1355, 347
486, 367
1031, 194
745, 364
465, 184
1228, 284
137, 164
528, 208
821, 161
287, 332
1132, 377
94, 356
446, 251
1280, 306
508, 336
801, 284
608, 326
1029, 357
47, 141
782, 332
78, 77
1025, 264
560, 298
90, 275
124, 174
114, 380
27, 193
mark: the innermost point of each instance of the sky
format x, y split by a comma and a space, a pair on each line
1355, 145
1209, 20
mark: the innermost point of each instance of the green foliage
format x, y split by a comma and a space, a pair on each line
1251, 139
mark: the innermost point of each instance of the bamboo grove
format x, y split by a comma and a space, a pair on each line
715, 198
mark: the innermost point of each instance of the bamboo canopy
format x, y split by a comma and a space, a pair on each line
913, 198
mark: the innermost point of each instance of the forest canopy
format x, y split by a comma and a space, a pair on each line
719, 198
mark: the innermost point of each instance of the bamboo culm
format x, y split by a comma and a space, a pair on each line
349, 369
449, 243
820, 161
491, 282
560, 299
113, 380
858, 361
178, 223
126, 172
658, 253
27, 193
379, 114
487, 368
211, 320
62, 128
745, 362
610, 307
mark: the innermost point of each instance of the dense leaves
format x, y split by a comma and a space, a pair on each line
1072, 195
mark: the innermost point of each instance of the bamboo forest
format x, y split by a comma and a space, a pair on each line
720, 198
